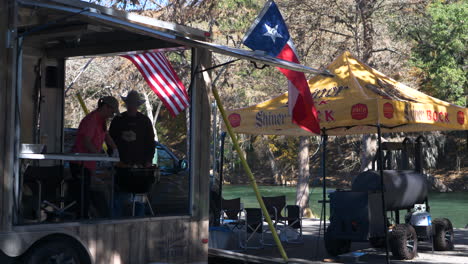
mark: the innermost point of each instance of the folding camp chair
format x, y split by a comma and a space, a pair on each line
231, 213
253, 228
291, 222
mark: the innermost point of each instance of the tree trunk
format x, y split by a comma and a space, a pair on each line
149, 113
368, 151
155, 119
302, 188
365, 9
273, 166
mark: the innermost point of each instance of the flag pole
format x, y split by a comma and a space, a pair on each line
249, 173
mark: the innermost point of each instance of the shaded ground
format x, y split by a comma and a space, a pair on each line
313, 251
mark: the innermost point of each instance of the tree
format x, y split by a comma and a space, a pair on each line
302, 187
440, 50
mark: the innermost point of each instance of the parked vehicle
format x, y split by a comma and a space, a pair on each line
171, 194
168, 162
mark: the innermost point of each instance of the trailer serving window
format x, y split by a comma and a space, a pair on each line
52, 191
56, 97
169, 194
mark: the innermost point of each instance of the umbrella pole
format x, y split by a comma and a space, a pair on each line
249, 173
382, 189
324, 179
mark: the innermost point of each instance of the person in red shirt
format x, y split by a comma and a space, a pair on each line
92, 133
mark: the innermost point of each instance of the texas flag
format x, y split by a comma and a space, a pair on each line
269, 33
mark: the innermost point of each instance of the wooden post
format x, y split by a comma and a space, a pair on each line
199, 143
8, 21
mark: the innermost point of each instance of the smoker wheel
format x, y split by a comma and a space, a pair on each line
443, 234
404, 242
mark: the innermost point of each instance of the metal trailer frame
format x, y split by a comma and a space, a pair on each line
175, 239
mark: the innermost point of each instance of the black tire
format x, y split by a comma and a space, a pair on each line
335, 246
404, 242
57, 251
443, 234
377, 242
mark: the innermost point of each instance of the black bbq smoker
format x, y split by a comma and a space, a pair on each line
356, 215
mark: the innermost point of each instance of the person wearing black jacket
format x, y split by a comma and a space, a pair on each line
133, 134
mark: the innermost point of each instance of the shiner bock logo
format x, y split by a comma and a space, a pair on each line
264, 119
359, 111
388, 110
234, 119
424, 115
460, 117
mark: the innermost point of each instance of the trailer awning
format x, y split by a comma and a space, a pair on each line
172, 38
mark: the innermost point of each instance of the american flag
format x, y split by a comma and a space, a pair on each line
270, 34
162, 79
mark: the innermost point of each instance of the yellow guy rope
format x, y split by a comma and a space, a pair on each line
249, 173
86, 111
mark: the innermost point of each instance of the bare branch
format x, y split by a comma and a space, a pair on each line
386, 49
334, 32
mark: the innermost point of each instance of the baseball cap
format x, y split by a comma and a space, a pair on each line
112, 102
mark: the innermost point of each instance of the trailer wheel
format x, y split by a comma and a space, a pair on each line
404, 242
335, 246
443, 234
64, 251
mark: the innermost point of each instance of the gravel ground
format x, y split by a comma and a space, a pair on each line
313, 251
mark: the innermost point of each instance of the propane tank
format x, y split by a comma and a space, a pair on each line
421, 219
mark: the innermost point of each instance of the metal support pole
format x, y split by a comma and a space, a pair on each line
215, 141
221, 164
382, 191
324, 179
17, 136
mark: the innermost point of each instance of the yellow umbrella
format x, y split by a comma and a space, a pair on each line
353, 102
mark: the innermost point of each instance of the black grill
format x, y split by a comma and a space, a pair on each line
135, 180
